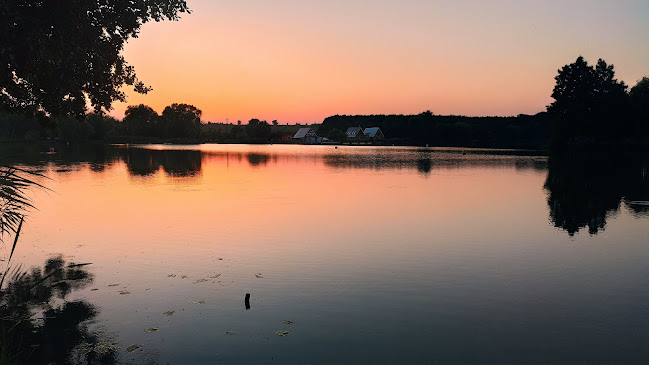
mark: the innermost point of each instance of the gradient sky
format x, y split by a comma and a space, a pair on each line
301, 61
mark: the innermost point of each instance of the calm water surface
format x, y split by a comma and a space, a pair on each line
362, 255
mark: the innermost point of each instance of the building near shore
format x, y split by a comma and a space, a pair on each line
373, 133
306, 135
355, 134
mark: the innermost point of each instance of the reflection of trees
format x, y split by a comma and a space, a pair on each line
586, 186
144, 162
257, 159
180, 163
424, 165
425, 160
39, 326
140, 162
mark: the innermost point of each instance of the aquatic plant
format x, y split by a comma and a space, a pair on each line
14, 202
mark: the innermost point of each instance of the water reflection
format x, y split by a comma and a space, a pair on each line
175, 163
456, 232
257, 159
426, 160
424, 165
186, 161
39, 324
586, 186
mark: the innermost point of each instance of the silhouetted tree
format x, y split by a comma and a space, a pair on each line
337, 135
102, 125
587, 100
140, 120
57, 55
274, 122
71, 129
258, 131
640, 100
181, 120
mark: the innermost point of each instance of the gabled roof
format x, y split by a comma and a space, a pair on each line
371, 132
353, 131
302, 132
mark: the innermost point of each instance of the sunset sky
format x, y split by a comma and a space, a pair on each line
301, 61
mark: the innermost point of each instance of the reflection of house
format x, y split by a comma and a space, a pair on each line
355, 134
373, 133
306, 135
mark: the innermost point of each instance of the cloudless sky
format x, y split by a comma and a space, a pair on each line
301, 61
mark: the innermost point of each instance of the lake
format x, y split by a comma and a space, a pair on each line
349, 254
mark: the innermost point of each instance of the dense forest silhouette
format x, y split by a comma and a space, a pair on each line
523, 131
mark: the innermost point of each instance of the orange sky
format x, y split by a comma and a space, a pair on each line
297, 61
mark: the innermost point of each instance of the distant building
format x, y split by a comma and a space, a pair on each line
373, 133
355, 134
306, 135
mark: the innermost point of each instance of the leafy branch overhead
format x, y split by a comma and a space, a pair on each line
57, 55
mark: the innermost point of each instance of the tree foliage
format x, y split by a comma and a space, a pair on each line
57, 55
587, 99
258, 131
181, 120
140, 120
640, 100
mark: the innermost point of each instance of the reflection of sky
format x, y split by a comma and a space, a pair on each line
301, 62
386, 264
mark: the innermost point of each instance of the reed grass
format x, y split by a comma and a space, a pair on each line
15, 183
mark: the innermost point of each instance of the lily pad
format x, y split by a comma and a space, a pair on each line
282, 333
124, 292
169, 313
133, 348
230, 333
152, 329
201, 280
259, 276
113, 284
288, 321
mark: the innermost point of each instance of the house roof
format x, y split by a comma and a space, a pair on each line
353, 131
371, 132
302, 132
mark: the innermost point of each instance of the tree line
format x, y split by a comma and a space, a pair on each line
590, 106
176, 121
58, 60
447, 130
141, 123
